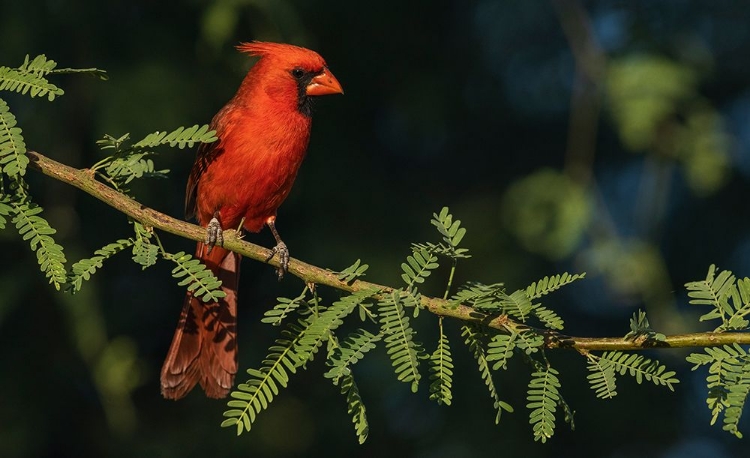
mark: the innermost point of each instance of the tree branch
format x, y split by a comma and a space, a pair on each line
84, 180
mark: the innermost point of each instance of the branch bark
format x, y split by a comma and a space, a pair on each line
84, 180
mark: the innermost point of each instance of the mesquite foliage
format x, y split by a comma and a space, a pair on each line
387, 319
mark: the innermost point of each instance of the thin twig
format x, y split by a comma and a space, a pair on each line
85, 181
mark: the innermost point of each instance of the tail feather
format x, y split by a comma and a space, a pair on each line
204, 347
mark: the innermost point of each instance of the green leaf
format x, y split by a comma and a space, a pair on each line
529, 341
181, 137
543, 398
474, 339
85, 268
740, 298
517, 305
322, 326
487, 298
254, 396
30, 79
602, 378
353, 272
418, 266
145, 253
452, 233
13, 159
441, 368
641, 329
283, 308
548, 317
39, 65
132, 162
6, 209
110, 142
715, 291
202, 283
728, 382
349, 353
500, 349
127, 168
404, 352
355, 407
34, 228
549, 284
640, 368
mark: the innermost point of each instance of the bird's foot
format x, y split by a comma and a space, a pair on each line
283, 253
214, 234
238, 232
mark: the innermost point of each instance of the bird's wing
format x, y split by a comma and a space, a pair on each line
207, 153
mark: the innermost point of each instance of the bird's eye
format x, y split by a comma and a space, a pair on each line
298, 73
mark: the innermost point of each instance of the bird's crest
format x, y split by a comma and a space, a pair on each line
281, 50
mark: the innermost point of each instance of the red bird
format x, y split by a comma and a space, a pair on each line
240, 181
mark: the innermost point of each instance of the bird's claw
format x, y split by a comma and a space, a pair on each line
214, 234
283, 253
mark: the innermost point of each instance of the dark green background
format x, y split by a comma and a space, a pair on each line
447, 103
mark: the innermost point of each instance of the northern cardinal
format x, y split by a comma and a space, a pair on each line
240, 181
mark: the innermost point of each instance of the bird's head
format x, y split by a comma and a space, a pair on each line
287, 72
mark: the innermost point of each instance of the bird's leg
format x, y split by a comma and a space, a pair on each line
279, 249
214, 233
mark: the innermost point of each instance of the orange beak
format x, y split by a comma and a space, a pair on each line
324, 83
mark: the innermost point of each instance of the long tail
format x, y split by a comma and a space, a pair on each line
204, 346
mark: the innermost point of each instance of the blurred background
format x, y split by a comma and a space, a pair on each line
607, 137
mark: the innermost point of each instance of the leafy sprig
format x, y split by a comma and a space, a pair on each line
474, 339
604, 368
350, 352
441, 368
355, 407
84, 269
729, 298
452, 234
543, 398
6, 209
254, 396
404, 351
200, 281
728, 381
353, 272
130, 161
640, 329
418, 266
30, 78
13, 160
283, 308
34, 228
